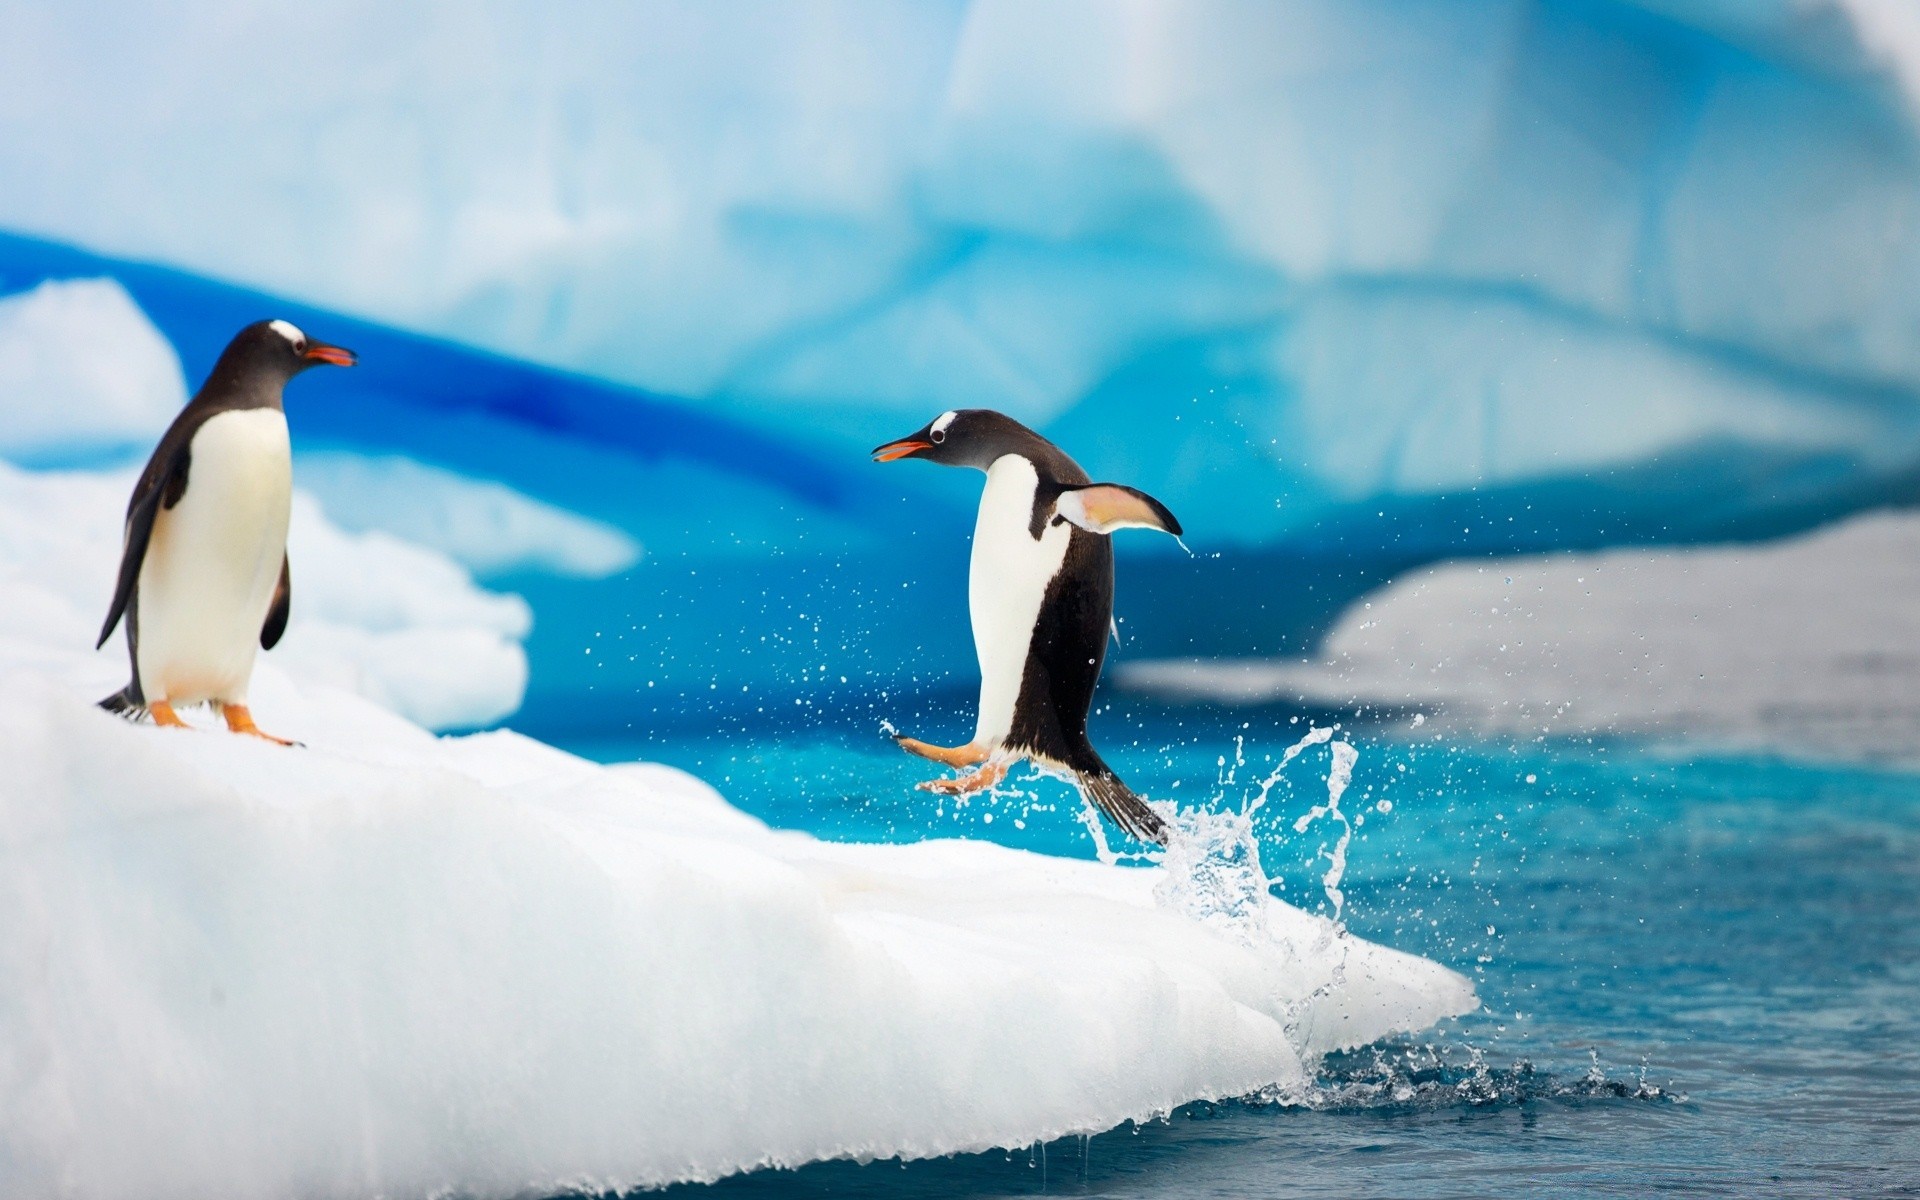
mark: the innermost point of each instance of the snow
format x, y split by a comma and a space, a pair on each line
397, 623
390, 964
1805, 645
1578, 238
485, 526
82, 369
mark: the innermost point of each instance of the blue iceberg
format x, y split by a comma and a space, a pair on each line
1353, 289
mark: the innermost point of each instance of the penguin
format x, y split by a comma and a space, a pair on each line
204, 581
1040, 594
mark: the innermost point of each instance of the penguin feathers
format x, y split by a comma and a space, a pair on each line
1104, 790
281, 608
160, 486
1040, 597
1104, 507
204, 523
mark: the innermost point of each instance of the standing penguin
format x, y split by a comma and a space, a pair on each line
203, 569
1040, 590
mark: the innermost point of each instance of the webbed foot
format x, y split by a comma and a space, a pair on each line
952, 756
239, 720
966, 785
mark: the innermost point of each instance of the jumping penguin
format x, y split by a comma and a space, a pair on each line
1040, 591
203, 568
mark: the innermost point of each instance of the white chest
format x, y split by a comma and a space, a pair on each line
1006, 584
214, 560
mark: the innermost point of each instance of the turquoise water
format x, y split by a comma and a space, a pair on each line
1699, 973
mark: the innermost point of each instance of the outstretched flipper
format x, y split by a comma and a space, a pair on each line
1105, 507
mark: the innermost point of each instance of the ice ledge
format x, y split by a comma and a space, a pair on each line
399, 965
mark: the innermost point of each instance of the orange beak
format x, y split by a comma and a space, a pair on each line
338, 356
905, 448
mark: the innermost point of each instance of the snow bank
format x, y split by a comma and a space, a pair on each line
397, 623
1807, 645
82, 369
487, 527
389, 964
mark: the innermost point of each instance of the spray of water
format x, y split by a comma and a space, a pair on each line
1212, 868
1344, 756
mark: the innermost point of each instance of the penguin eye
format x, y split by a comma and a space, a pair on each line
937, 436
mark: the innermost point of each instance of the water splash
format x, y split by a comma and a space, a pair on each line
1344, 756
1408, 1078
1212, 868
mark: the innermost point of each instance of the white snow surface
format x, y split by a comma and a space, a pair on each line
82, 368
487, 527
1807, 645
389, 964
400, 624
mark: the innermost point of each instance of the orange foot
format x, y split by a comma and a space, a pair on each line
163, 714
952, 756
241, 721
966, 785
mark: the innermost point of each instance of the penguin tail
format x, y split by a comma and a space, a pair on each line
1118, 801
124, 703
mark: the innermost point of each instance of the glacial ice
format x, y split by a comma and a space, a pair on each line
390, 964
1280, 261
1803, 645
1353, 290
395, 622
485, 526
82, 371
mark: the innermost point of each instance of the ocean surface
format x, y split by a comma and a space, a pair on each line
1700, 972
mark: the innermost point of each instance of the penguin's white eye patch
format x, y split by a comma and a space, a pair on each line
938, 430
289, 331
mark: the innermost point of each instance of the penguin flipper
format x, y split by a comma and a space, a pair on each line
277, 614
1105, 507
161, 486
1104, 790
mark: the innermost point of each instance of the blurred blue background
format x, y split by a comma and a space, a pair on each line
1351, 286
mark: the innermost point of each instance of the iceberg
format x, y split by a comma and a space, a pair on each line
1803, 645
1288, 265
373, 614
83, 371
394, 964
397, 966
485, 526
1353, 291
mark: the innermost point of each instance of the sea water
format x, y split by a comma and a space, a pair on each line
1698, 972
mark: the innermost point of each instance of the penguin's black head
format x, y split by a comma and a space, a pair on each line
278, 350
967, 437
